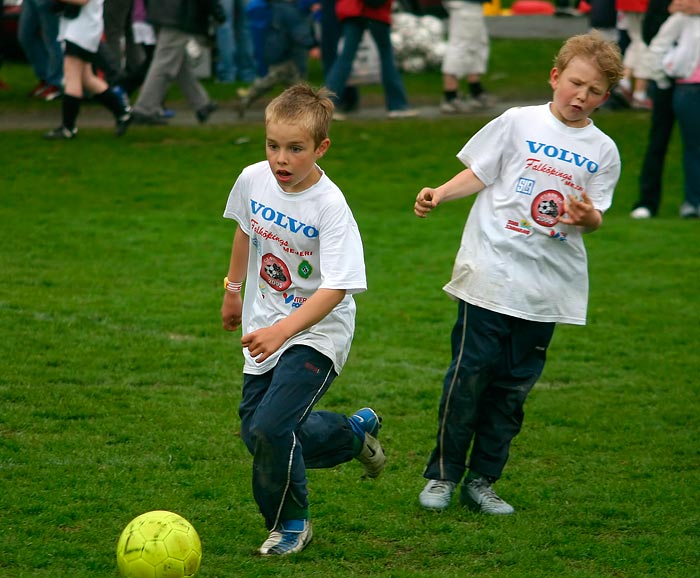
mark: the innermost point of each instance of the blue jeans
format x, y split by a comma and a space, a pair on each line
284, 434
37, 33
353, 28
496, 360
686, 104
234, 45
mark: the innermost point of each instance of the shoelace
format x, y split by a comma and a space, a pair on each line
439, 487
486, 492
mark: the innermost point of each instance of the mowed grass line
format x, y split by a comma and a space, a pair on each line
119, 390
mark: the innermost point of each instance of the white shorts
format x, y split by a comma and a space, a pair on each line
637, 55
467, 39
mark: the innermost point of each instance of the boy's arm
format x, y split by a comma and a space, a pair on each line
581, 213
232, 308
461, 185
265, 341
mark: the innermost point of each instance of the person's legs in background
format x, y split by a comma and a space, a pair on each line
330, 36
43, 50
660, 130
686, 103
225, 68
243, 43
394, 91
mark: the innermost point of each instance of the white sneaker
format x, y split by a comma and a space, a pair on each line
641, 213
478, 495
458, 106
289, 537
688, 211
437, 494
484, 100
405, 113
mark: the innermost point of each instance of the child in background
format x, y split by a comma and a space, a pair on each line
80, 26
298, 246
545, 175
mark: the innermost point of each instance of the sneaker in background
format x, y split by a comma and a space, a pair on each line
122, 95
38, 89
403, 113
290, 537
688, 211
641, 213
642, 104
148, 119
60, 133
484, 100
457, 106
123, 123
50, 93
437, 494
478, 495
206, 111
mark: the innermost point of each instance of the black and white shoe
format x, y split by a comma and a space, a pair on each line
61, 133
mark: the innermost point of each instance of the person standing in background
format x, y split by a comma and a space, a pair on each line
355, 17
37, 33
633, 85
467, 55
80, 28
663, 117
234, 45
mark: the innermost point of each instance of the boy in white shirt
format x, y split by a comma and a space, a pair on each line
299, 247
545, 175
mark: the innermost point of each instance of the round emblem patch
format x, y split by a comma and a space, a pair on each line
547, 207
275, 273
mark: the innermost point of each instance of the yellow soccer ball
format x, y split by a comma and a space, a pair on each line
159, 544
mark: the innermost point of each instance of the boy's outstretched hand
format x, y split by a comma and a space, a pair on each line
581, 213
425, 202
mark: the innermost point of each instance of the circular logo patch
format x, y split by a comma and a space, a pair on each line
275, 273
547, 207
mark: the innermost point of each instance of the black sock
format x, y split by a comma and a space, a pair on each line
475, 89
70, 109
450, 95
111, 101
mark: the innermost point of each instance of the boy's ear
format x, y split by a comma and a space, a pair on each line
323, 147
553, 77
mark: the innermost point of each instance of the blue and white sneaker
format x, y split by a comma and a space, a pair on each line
366, 423
290, 537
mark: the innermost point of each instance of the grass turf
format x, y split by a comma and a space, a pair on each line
118, 388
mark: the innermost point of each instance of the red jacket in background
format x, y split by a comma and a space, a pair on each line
632, 5
356, 8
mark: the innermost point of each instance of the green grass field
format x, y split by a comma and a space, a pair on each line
119, 389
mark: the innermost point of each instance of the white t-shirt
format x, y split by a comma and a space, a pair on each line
513, 258
299, 243
86, 29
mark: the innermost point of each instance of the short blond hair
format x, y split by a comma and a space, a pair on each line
302, 105
594, 48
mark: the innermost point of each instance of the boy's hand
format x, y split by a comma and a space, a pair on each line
581, 213
231, 311
425, 202
262, 343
